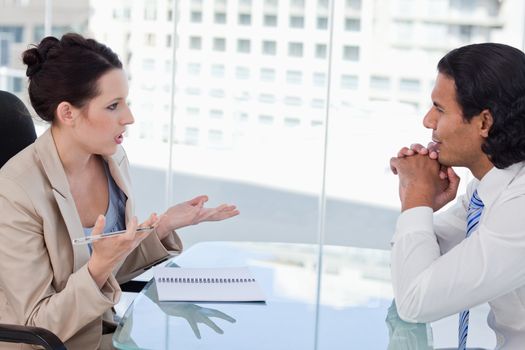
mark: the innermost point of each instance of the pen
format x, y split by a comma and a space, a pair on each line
89, 239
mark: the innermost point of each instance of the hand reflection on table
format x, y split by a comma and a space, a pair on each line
406, 336
193, 313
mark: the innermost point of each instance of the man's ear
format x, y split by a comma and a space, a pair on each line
486, 120
66, 114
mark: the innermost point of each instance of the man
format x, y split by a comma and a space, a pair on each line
474, 252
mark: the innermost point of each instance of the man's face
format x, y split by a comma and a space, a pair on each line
458, 141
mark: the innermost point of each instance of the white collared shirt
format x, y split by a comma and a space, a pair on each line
436, 272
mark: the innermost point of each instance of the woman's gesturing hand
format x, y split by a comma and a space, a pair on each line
192, 212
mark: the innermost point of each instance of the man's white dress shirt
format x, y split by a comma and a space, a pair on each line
437, 272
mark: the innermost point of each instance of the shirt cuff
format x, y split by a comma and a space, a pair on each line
418, 219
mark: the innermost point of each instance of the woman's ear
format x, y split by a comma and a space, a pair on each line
66, 113
486, 121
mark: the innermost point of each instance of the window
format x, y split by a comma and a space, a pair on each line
379, 83
217, 70
293, 101
216, 113
265, 119
15, 33
195, 42
168, 40
269, 47
17, 84
411, 85
150, 10
294, 77
351, 53
219, 17
318, 103
353, 4
243, 45
242, 73
191, 136
216, 93
194, 68
219, 44
193, 91
267, 98
296, 22
150, 39
270, 20
352, 24
295, 49
215, 136
319, 79
271, 3
245, 19
320, 51
196, 16
350, 82
267, 74
322, 22
193, 111
322, 4
291, 122
297, 3
148, 64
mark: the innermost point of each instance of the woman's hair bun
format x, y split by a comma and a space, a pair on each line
35, 57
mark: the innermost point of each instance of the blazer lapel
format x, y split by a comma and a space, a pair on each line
47, 152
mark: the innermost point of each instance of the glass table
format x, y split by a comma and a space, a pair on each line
354, 312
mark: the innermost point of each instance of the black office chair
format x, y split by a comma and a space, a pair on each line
17, 131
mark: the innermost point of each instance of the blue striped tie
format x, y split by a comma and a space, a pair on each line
475, 208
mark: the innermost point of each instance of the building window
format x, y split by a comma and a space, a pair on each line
317, 103
380, 83
319, 79
16, 32
293, 101
350, 53
218, 70
322, 22
353, 4
216, 113
168, 40
243, 45
196, 16
270, 20
192, 111
150, 10
194, 68
191, 136
242, 73
245, 19
271, 3
297, 4
17, 85
322, 4
195, 42
219, 17
295, 49
266, 98
349, 82
294, 77
215, 136
266, 119
216, 93
150, 39
193, 91
411, 85
267, 74
352, 24
269, 47
148, 64
219, 44
291, 122
296, 22
320, 51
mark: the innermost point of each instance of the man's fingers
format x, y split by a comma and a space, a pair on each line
99, 225
416, 147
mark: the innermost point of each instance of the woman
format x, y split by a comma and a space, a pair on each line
56, 190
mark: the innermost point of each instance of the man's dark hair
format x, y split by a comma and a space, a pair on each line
492, 76
66, 70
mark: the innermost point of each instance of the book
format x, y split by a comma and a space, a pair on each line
207, 284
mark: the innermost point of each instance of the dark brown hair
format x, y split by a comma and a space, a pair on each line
66, 70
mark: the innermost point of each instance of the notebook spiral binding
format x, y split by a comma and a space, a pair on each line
203, 280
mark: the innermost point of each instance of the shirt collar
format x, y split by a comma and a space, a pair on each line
495, 181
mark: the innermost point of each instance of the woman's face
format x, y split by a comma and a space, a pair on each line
102, 122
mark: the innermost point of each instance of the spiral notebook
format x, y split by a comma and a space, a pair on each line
207, 284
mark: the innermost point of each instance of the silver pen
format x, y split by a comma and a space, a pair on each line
89, 239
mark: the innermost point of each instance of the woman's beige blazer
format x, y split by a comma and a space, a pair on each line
44, 280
